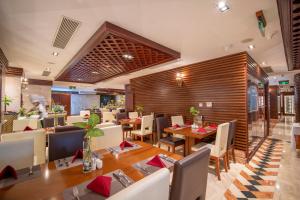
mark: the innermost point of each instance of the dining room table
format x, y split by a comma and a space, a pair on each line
52, 182
191, 134
134, 122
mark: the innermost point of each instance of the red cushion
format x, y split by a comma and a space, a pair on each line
101, 185
8, 172
27, 128
156, 161
125, 144
176, 126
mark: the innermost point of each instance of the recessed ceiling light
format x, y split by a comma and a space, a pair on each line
95, 72
55, 53
274, 77
264, 63
127, 56
251, 47
222, 6
79, 79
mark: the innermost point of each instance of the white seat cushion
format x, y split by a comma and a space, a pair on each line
154, 186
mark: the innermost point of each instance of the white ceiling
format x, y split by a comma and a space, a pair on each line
193, 27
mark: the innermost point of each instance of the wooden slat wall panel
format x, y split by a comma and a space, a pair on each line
297, 96
222, 81
3, 65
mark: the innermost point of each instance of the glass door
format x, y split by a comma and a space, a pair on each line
289, 105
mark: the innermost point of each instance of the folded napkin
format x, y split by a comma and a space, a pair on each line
176, 126
78, 155
213, 126
156, 161
27, 128
100, 185
201, 130
125, 144
8, 172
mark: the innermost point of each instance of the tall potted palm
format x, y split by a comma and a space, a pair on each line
6, 101
91, 131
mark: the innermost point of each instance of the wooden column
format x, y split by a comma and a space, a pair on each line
3, 65
297, 96
128, 98
273, 92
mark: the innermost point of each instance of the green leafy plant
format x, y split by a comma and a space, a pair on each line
22, 112
6, 101
194, 112
57, 108
90, 126
139, 109
31, 113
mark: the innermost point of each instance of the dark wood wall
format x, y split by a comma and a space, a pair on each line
3, 65
274, 90
222, 81
62, 99
297, 96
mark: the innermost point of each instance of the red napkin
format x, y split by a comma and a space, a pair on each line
101, 185
27, 128
8, 172
176, 126
201, 130
156, 161
213, 125
78, 155
125, 144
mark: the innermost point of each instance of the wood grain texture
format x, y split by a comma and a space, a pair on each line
297, 96
63, 99
39, 82
14, 71
3, 65
273, 90
222, 81
102, 56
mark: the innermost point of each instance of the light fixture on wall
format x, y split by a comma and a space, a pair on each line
179, 79
24, 82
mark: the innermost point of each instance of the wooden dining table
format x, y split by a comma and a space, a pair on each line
52, 182
134, 122
190, 135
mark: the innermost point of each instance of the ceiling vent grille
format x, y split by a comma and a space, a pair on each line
65, 32
268, 69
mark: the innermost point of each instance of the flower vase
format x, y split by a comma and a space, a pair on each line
198, 120
87, 155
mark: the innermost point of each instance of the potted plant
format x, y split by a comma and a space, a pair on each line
6, 101
22, 113
197, 119
139, 109
91, 131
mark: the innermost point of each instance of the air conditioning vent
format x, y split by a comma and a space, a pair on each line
65, 32
268, 69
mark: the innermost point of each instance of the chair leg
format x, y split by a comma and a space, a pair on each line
142, 138
228, 161
168, 148
217, 160
233, 154
158, 144
225, 162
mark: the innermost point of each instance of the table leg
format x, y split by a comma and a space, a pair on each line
187, 145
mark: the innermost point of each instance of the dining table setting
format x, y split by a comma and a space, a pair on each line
122, 166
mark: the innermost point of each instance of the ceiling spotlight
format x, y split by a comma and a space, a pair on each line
263, 63
95, 72
251, 47
79, 79
127, 56
55, 53
222, 6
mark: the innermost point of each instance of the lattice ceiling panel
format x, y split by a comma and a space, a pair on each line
102, 57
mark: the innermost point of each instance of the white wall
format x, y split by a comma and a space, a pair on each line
83, 101
39, 90
13, 90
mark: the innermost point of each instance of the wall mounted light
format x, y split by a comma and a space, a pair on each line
179, 79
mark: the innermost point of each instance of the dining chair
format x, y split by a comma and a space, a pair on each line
39, 138
74, 119
20, 125
133, 115
177, 120
219, 149
83, 113
61, 121
169, 140
190, 176
48, 122
153, 186
18, 154
146, 128
112, 137
125, 127
108, 117
64, 144
230, 141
